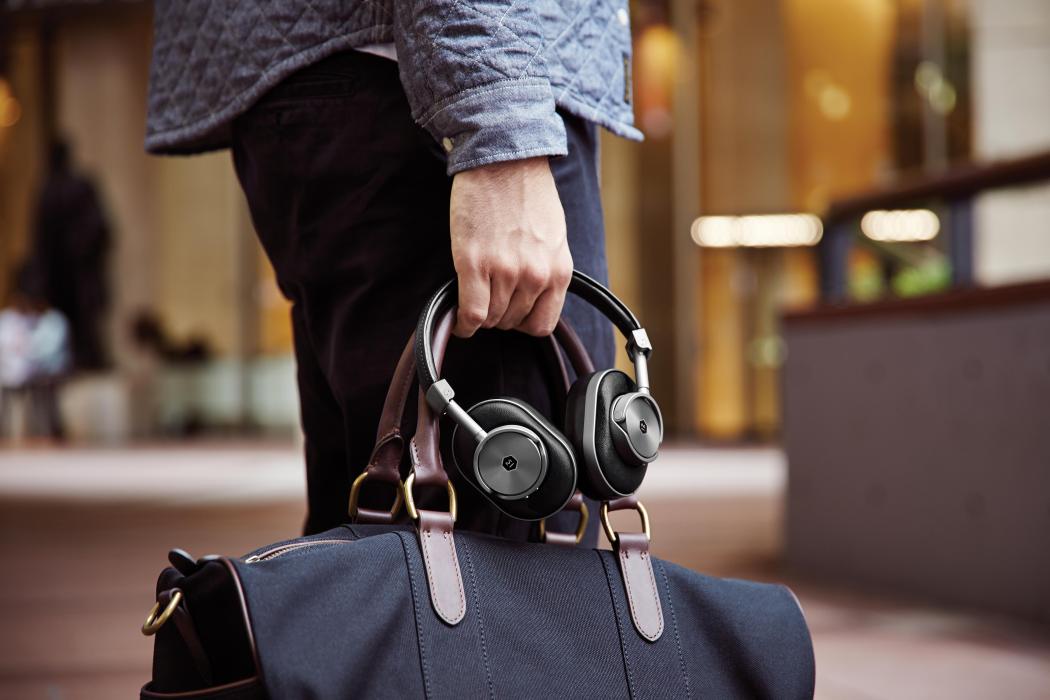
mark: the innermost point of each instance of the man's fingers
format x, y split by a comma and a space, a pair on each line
545, 313
532, 281
473, 302
502, 282
520, 306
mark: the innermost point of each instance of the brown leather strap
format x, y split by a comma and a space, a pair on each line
444, 578
425, 444
643, 597
564, 539
574, 348
628, 502
442, 566
385, 463
386, 456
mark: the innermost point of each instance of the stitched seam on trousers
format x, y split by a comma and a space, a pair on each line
481, 625
611, 581
674, 626
415, 611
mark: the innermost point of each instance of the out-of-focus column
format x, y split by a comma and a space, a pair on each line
1011, 103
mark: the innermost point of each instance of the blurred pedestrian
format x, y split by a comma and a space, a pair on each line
34, 358
384, 146
70, 250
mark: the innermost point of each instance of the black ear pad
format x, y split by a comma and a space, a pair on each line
604, 475
559, 483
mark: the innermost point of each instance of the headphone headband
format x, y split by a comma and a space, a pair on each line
439, 393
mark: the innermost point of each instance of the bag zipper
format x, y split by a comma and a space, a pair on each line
283, 549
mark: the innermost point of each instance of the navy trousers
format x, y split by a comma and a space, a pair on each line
350, 200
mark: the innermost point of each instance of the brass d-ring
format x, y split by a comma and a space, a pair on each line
410, 502
581, 527
355, 491
607, 525
154, 621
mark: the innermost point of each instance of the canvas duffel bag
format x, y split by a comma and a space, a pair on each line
384, 609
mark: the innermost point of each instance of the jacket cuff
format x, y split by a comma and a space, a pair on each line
499, 121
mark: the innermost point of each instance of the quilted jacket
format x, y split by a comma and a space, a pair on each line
483, 77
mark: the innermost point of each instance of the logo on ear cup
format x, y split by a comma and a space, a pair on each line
510, 462
633, 414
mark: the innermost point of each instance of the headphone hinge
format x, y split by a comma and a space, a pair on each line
638, 343
439, 396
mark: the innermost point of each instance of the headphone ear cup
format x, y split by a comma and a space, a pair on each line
557, 485
604, 475
575, 408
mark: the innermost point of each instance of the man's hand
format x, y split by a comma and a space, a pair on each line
509, 247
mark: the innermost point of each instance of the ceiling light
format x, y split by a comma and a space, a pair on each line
760, 231
900, 225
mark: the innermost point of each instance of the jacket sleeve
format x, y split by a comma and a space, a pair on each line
476, 81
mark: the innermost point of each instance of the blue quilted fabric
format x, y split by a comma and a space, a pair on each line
484, 77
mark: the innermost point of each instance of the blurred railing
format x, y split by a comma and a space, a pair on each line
954, 190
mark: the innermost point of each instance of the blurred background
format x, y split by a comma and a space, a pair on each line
837, 232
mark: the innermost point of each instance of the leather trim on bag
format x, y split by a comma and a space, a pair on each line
643, 597
442, 565
238, 690
244, 611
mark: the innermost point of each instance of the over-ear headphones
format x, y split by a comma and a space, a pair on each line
519, 461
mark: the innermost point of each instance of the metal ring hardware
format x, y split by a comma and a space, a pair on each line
607, 526
410, 502
581, 528
355, 490
154, 621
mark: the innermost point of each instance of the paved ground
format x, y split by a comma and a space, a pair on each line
83, 534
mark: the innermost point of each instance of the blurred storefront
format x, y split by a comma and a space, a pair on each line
759, 116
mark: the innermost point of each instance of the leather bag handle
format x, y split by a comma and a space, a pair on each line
385, 461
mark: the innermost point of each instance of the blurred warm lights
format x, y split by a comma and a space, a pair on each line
833, 101
657, 60
900, 225
10, 109
761, 231
938, 90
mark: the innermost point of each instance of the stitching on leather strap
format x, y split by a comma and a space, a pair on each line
459, 577
451, 617
625, 557
655, 592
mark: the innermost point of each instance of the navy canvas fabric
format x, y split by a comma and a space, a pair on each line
354, 619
